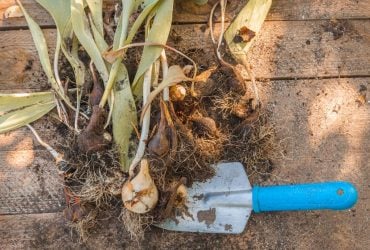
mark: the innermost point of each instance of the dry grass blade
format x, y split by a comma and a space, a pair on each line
17, 110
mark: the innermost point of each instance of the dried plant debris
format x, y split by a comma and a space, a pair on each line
13, 11
244, 35
336, 27
361, 99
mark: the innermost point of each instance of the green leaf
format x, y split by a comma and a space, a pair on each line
250, 17
149, 6
124, 109
61, 13
59, 10
158, 33
17, 110
119, 38
82, 31
96, 9
123, 115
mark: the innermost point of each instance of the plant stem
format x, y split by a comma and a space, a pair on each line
166, 91
146, 123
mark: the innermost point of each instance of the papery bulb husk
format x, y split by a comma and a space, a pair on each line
177, 93
204, 126
160, 143
92, 139
140, 195
181, 196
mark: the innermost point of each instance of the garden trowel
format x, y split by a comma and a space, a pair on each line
224, 203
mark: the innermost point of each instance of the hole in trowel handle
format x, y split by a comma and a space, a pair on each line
340, 192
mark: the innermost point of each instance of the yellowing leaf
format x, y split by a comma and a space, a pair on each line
139, 20
250, 18
17, 110
128, 7
124, 109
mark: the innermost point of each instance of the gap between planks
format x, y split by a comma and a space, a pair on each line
284, 50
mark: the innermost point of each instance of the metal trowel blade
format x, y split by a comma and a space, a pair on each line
222, 204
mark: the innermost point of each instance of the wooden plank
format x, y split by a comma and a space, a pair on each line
48, 128
323, 129
294, 49
302, 230
283, 50
29, 182
187, 12
20, 65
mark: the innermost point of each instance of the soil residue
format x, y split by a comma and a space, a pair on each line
228, 227
207, 216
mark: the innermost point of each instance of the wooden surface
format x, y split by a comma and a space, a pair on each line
305, 51
186, 12
311, 82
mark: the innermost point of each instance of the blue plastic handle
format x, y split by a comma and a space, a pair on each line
336, 195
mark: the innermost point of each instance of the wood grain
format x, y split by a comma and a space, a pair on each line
187, 12
29, 182
293, 49
324, 131
284, 49
49, 129
301, 230
20, 67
